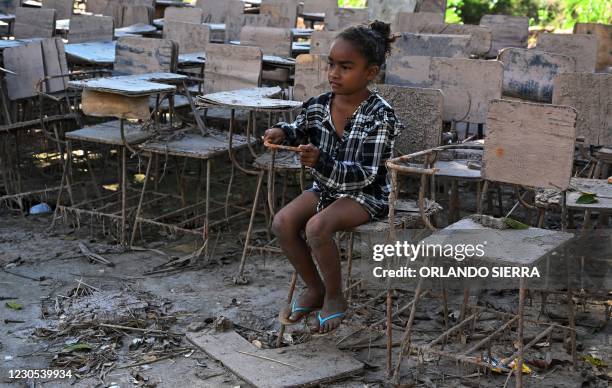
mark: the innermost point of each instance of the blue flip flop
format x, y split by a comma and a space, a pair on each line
295, 308
323, 320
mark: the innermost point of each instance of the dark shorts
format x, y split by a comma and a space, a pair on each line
375, 211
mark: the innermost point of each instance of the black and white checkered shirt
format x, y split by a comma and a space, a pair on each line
352, 166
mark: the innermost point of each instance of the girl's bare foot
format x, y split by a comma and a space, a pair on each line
310, 300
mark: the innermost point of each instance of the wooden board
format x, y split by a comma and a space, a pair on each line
314, 362
387, 10
198, 146
530, 144
517, 247
468, 85
102, 104
135, 30
235, 20
530, 74
63, 8
90, 28
9, 6
271, 40
190, 37
245, 98
310, 76
506, 31
101, 7
480, 37
321, 41
431, 45
96, 53
420, 110
583, 47
130, 86
34, 23
601, 187
415, 22
337, 19
318, 6
279, 61
436, 6
603, 32
27, 61
135, 55
282, 13
110, 133
184, 14
135, 14
591, 95
55, 64
214, 11
230, 67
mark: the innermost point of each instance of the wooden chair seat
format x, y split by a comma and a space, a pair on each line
407, 215
109, 133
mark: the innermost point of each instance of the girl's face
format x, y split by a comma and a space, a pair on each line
348, 71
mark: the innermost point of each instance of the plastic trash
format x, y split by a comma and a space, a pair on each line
41, 208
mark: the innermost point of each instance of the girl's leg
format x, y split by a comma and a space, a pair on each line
287, 226
342, 214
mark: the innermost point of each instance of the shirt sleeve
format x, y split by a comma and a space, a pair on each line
375, 149
297, 129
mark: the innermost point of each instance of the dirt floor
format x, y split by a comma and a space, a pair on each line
66, 309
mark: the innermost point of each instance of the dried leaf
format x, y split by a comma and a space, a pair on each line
75, 347
149, 358
595, 361
13, 305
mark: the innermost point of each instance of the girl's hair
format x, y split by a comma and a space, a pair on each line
372, 40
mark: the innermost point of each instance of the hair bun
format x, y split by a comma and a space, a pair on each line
384, 29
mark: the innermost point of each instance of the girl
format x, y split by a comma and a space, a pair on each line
350, 134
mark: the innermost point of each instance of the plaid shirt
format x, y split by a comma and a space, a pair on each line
352, 166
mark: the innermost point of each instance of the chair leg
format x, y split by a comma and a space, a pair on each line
389, 329
349, 266
405, 344
59, 194
240, 279
142, 194
572, 325
521, 323
281, 333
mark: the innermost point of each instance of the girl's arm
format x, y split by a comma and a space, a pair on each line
352, 176
297, 129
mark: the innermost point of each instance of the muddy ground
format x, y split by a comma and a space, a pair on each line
58, 325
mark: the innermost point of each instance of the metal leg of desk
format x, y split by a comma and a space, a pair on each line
142, 194
520, 329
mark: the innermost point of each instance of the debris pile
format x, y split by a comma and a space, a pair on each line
93, 331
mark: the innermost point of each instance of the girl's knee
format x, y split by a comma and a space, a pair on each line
317, 231
283, 224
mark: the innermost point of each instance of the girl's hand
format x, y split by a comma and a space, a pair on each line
309, 155
274, 135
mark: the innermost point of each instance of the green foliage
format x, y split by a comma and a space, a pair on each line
555, 13
586, 198
352, 3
